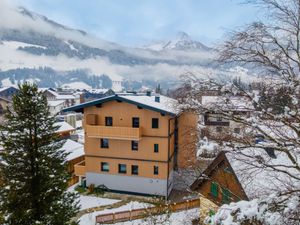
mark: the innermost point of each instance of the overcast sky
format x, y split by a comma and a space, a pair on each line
137, 22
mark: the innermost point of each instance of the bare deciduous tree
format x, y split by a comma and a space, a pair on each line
272, 49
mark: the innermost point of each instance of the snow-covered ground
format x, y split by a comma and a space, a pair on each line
89, 218
92, 201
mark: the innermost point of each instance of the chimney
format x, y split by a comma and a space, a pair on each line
148, 93
157, 98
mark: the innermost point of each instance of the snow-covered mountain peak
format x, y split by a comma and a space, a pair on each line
182, 42
182, 36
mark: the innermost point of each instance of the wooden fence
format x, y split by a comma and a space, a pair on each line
141, 213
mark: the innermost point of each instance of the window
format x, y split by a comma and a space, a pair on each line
134, 145
108, 121
226, 196
122, 168
237, 130
134, 170
155, 123
219, 118
104, 143
104, 167
214, 189
135, 122
155, 147
219, 129
155, 170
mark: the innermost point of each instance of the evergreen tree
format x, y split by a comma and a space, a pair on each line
33, 169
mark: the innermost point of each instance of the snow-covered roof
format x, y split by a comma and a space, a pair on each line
7, 87
73, 148
276, 130
63, 127
164, 105
234, 103
64, 97
53, 103
98, 91
256, 178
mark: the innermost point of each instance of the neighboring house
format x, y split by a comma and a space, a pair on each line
52, 95
56, 106
131, 142
92, 94
218, 124
64, 129
232, 177
8, 92
4, 104
75, 155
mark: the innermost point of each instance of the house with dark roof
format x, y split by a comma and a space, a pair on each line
132, 142
8, 92
252, 173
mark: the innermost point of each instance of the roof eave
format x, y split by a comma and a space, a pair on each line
80, 107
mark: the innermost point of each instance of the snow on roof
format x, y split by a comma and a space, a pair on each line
63, 97
53, 103
50, 91
7, 87
98, 91
42, 89
76, 85
73, 148
276, 130
234, 103
256, 178
165, 103
63, 127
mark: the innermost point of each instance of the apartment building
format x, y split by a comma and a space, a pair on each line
131, 142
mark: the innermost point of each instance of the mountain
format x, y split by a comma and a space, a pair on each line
182, 42
38, 49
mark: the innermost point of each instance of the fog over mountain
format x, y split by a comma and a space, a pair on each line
36, 48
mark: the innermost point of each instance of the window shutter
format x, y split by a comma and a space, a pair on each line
214, 189
226, 195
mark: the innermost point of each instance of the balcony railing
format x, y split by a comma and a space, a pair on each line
119, 133
79, 169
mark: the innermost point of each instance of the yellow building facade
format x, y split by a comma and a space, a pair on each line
130, 143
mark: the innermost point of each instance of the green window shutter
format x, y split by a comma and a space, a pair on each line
214, 189
226, 196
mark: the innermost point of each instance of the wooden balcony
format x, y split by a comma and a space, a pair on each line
119, 133
79, 169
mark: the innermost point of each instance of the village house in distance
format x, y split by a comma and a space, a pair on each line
132, 142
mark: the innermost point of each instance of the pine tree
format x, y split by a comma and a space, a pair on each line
33, 169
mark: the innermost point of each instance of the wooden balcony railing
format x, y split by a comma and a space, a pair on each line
120, 133
79, 169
